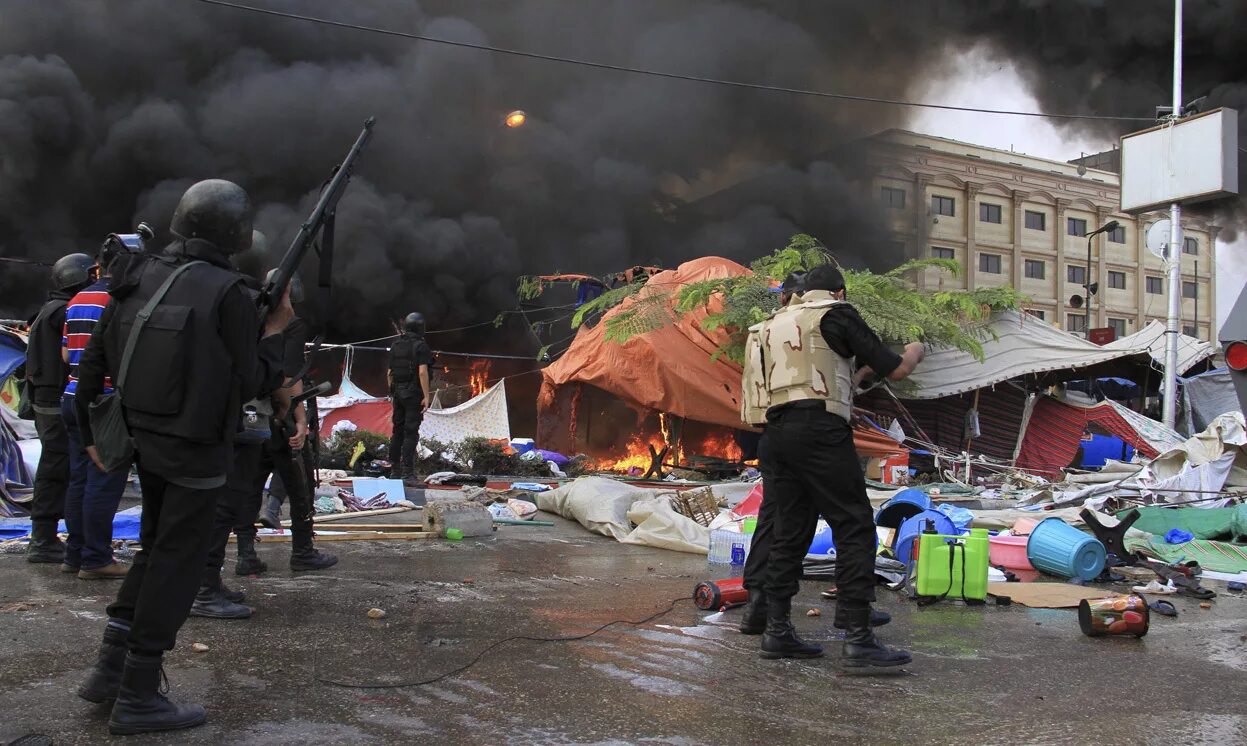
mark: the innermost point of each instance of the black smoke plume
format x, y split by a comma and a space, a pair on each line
109, 110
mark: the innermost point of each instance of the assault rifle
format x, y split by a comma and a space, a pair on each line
322, 218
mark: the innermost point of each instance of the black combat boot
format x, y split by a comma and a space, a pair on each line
877, 618
753, 621
862, 649
780, 638
230, 594
140, 705
211, 603
104, 680
270, 515
305, 556
45, 547
249, 563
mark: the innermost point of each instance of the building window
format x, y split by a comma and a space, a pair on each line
1036, 313
1189, 290
1034, 269
1118, 234
1076, 274
989, 263
1076, 323
893, 197
1118, 326
944, 206
1190, 245
1076, 226
1117, 280
939, 252
1190, 331
1155, 286
1036, 221
989, 213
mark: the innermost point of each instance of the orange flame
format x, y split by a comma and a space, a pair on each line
478, 377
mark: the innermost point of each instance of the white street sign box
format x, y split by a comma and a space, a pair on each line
1193, 160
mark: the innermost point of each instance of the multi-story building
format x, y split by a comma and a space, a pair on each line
1013, 219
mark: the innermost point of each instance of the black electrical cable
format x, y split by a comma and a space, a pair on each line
661, 73
476, 658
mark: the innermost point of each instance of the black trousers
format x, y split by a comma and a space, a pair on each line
52, 475
408, 414
814, 469
764, 533
233, 505
158, 591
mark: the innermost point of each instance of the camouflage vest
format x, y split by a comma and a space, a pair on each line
787, 360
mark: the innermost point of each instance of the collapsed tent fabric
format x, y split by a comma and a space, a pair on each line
1021, 345
1055, 432
1191, 351
671, 369
1207, 396
611, 508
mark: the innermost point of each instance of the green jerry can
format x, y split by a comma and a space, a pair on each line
952, 566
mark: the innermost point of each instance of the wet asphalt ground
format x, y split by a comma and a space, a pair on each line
980, 674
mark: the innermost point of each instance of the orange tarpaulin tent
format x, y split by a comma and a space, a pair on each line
668, 369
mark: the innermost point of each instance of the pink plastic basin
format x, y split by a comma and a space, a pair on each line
1010, 552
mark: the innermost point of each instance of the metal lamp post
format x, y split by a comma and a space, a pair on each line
1092, 287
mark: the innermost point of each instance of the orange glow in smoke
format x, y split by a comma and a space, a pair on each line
478, 377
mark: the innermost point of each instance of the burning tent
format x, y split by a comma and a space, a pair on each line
671, 370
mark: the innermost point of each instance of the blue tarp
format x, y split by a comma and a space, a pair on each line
12, 354
125, 527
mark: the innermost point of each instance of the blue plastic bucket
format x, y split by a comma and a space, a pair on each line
902, 505
915, 525
1057, 548
824, 543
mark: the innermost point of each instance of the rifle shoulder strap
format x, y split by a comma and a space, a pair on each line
141, 320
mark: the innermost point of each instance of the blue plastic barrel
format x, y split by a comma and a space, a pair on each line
902, 505
915, 525
1057, 548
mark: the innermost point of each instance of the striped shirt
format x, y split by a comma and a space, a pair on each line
81, 315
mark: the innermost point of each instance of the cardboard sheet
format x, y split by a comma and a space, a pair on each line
1047, 595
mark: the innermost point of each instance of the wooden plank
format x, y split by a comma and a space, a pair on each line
331, 517
360, 536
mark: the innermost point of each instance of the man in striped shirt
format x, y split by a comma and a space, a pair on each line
93, 495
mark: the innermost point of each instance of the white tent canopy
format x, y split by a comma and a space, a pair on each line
1025, 346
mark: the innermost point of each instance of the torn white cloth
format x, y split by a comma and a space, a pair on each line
484, 416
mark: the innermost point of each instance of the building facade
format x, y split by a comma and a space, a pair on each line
1013, 219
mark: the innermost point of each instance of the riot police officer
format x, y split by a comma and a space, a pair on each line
182, 375
810, 348
410, 358
46, 373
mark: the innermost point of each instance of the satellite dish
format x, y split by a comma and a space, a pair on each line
1075, 301
1158, 237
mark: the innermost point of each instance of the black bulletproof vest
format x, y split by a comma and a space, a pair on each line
45, 369
181, 381
403, 358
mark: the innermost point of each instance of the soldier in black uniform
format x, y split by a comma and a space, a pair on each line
46, 372
200, 355
410, 358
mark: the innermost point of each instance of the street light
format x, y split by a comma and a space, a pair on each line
1092, 287
515, 119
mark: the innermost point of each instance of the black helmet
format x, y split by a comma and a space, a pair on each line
217, 211
414, 323
296, 285
72, 271
794, 283
253, 261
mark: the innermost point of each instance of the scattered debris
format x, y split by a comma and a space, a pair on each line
814, 612
199, 647
375, 613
